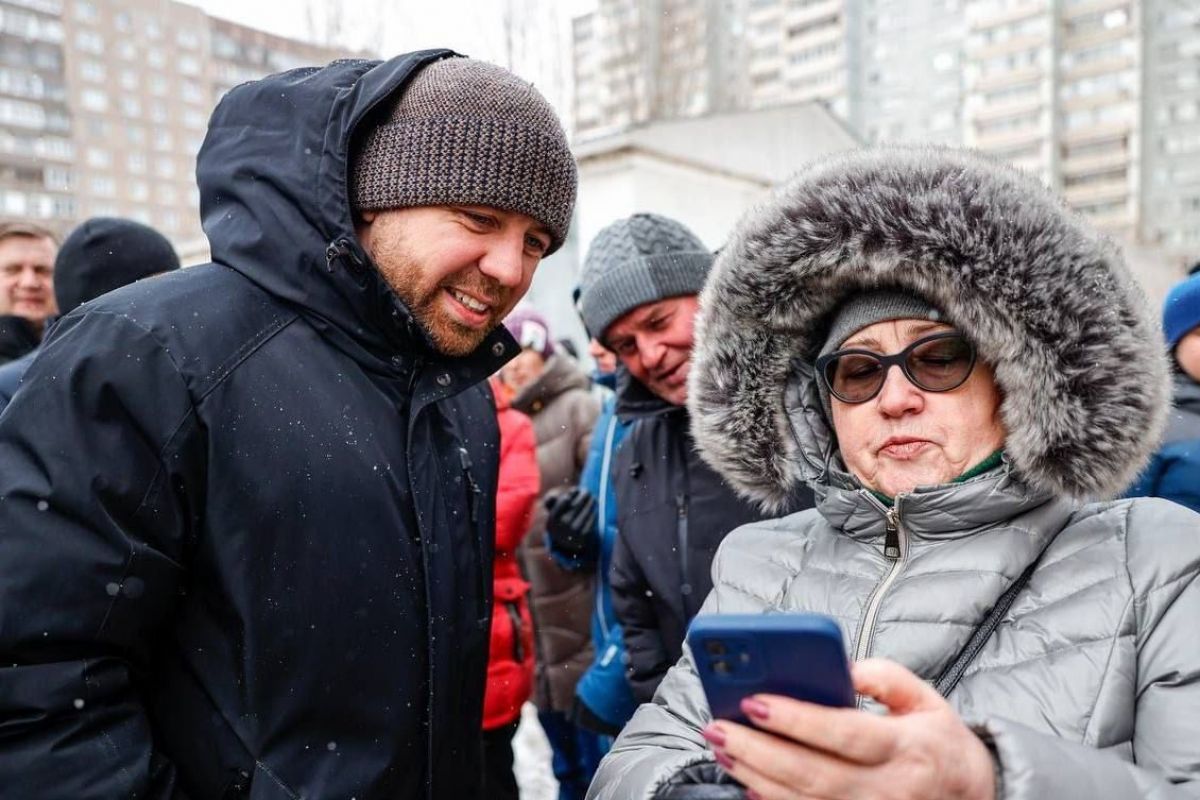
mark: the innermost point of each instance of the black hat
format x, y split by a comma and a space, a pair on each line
106, 253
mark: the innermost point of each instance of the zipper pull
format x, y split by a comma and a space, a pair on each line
891, 542
681, 505
341, 249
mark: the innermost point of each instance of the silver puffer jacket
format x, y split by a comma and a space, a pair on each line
1090, 686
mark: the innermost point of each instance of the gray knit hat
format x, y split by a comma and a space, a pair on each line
466, 131
639, 260
863, 310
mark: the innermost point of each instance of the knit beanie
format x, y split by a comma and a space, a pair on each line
1181, 311
639, 260
863, 310
106, 253
470, 132
531, 331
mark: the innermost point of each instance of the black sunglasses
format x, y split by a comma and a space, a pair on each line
937, 363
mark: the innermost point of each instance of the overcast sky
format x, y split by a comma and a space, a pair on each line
471, 26
474, 27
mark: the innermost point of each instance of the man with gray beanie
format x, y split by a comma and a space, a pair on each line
638, 296
252, 555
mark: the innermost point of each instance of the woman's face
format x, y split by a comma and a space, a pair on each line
906, 437
1187, 353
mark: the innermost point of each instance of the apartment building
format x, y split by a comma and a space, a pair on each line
104, 105
1171, 143
37, 151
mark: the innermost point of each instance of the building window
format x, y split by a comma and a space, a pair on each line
93, 100
101, 159
139, 191
136, 134
86, 12
129, 80
89, 42
57, 179
158, 85
192, 92
187, 39
131, 106
163, 140
25, 115
103, 186
194, 119
189, 65
164, 167
136, 163
155, 58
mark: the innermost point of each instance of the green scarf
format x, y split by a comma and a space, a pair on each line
989, 463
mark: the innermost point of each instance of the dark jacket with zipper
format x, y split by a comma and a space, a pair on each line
673, 511
251, 555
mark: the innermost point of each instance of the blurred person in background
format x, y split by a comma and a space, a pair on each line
26, 286
100, 255
553, 390
639, 287
511, 654
582, 531
1174, 469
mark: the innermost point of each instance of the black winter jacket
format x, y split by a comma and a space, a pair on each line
672, 512
246, 510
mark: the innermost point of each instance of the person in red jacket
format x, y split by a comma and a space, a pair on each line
511, 657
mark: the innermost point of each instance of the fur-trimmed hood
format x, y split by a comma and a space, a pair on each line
1048, 302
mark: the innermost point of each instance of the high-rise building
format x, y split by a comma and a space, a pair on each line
1170, 173
37, 152
104, 105
1099, 98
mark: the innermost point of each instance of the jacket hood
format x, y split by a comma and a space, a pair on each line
1048, 302
274, 198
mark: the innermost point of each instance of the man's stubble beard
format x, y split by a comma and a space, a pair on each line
449, 337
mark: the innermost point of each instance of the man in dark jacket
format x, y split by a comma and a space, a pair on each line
251, 557
639, 286
100, 255
26, 286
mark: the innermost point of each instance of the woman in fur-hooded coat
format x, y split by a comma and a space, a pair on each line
1090, 685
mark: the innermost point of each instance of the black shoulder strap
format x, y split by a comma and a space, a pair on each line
953, 674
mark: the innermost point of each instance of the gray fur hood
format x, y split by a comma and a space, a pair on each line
1048, 302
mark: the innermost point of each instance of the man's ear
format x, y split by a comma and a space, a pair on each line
362, 228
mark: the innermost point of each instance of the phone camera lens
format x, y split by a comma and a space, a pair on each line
715, 648
721, 667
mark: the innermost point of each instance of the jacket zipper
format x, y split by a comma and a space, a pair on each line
895, 549
602, 521
681, 531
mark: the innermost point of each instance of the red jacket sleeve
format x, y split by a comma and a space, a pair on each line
519, 479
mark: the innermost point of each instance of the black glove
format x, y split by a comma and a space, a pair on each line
704, 780
571, 524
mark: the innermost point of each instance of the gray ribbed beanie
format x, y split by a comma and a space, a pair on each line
466, 131
861, 311
639, 260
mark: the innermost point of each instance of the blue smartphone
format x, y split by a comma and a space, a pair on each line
795, 655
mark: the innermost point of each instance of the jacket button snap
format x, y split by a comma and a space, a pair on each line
443, 379
498, 349
397, 361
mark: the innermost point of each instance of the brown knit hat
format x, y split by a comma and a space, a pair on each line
466, 131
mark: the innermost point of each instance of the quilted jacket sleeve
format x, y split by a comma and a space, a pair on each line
1163, 542
519, 482
94, 520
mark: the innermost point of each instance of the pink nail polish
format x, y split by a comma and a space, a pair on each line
753, 795
723, 759
756, 709
714, 735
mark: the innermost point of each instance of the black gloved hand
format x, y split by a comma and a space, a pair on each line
701, 781
571, 524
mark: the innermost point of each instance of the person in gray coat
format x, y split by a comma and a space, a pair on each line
1028, 383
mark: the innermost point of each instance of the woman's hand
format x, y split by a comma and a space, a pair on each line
801, 750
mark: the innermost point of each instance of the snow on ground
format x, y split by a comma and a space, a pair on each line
531, 752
